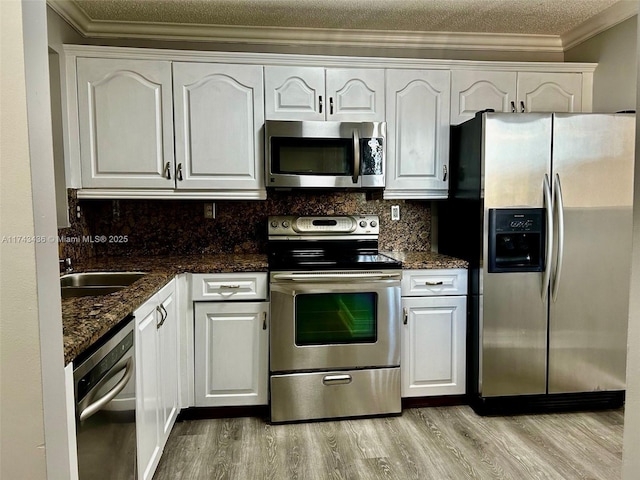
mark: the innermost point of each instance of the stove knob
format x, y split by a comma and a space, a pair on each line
373, 223
363, 224
274, 224
285, 224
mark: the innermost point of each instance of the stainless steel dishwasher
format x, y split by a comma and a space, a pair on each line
104, 384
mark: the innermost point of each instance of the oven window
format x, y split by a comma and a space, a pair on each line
328, 318
312, 156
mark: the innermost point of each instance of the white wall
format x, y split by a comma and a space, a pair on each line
614, 81
33, 413
21, 415
631, 453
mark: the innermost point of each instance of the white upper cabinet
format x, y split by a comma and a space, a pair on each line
125, 112
549, 92
316, 93
130, 110
476, 90
417, 133
219, 115
473, 91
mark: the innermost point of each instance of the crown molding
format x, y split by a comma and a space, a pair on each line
335, 37
615, 14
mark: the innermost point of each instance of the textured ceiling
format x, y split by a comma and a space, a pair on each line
541, 17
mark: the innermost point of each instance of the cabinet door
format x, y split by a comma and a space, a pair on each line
168, 365
433, 346
473, 91
294, 93
231, 353
126, 123
550, 92
355, 95
219, 115
418, 133
148, 389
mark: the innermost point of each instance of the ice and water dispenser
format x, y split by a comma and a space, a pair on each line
516, 240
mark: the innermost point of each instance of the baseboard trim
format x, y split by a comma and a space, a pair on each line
440, 401
202, 413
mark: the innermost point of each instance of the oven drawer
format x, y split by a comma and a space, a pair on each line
228, 286
446, 281
334, 394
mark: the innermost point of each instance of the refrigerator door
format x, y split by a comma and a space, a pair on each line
593, 157
516, 156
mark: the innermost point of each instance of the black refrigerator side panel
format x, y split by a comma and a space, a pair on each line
460, 218
465, 159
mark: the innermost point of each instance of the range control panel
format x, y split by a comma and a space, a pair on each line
294, 226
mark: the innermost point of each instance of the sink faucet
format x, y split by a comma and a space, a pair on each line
68, 268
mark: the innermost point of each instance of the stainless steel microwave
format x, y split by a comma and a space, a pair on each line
325, 154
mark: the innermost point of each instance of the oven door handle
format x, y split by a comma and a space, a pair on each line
296, 277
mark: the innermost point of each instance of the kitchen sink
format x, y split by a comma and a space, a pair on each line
96, 283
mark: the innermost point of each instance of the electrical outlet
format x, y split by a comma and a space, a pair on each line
395, 212
209, 210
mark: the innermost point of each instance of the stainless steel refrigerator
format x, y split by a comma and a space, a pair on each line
541, 207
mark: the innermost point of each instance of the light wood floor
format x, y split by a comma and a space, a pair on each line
424, 443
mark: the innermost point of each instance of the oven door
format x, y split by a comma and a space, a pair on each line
349, 321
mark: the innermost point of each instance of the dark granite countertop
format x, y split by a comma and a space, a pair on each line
86, 319
426, 260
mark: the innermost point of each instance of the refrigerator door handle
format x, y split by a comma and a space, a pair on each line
546, 277
559, 206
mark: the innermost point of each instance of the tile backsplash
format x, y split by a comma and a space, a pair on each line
164, 227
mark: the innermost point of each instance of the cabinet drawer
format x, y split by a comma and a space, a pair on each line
417, 283
228, 286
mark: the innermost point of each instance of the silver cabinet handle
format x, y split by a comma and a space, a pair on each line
522, 109
330, 105
337, 379
320, 104
513, 107
559, 205
166, 314
546, 277
433, 284
167, 171
230, 287
163, 315
445, 173
179, 172
264, 320
405, 315
111, 394
356, 156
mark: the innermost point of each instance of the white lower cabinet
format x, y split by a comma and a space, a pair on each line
156, 341
231, 348
433, 333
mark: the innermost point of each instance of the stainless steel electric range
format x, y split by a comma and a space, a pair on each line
335, 319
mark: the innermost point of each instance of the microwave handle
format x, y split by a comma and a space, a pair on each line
356, 156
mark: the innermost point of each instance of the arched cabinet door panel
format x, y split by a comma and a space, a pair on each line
355, 95
218, 120
125, 112
550, 92
294, 93
418, 133
473, 91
